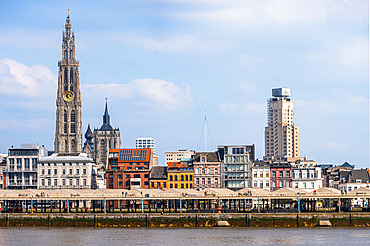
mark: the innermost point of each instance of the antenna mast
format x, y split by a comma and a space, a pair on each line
205, 128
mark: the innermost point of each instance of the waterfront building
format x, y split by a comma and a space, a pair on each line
129, 168
158, 178
280, 175
144, 143
68, 132
180, 174
261, 175
281, 134
178, 155
21, 166
237, 161
355, 179
66, 171
307, 177
105, 138
207, 170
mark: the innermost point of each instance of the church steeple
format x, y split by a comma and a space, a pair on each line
106, 119
68, 132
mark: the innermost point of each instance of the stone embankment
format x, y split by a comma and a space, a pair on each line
185, 220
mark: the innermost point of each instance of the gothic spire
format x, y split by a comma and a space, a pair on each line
89, 135
106, 119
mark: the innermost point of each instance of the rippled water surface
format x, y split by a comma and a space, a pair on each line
183, 236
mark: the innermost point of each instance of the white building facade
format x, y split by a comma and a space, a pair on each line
143, 143
66, 171
21, 166
261, 175
307, 177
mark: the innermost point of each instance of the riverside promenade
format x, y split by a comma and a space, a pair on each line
343, 219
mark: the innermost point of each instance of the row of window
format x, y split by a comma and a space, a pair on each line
203, 181
204, 170
65, 182
280, 174
182, 186
182, 178
70, 171
136, 176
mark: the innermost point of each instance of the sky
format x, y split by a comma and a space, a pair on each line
160, 63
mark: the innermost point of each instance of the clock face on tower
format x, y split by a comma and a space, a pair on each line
68, 96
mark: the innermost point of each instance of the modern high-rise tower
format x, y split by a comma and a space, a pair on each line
281, 135
68, 132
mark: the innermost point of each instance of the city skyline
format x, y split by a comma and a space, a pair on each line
158, 62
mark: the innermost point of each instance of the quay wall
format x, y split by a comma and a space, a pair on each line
184, 220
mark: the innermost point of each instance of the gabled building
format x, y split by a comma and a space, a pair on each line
158, 178
207, 170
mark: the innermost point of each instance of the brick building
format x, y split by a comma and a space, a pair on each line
280, 175
207, 170
129, 168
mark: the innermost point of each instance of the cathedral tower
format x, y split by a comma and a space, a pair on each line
68, 132
105, 138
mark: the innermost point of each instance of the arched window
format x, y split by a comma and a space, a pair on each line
65, 79
65, 121
65, 55
175, 177
70, 55
191, 178
73, 116
186, 177
182, 177
171, 178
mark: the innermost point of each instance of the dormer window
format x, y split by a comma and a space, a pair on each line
203, 159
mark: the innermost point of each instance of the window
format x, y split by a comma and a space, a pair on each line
196, 170
182, 186
274, 184
152, 184
136, 176
191, 177
64, 182
55, 182
70, 171
77, 182
42, 182
171, 186
208, 170
110, 176
255, 175
209, 181
280, 174
146, 176
281, 183
120, 176
186, 178
146, 183
175, 177
55, 171
84, 171
203, 171
274, 174
127, 176
77, 171
64, 171
287, 173
216, 170
42, 171
197, 180
216, 181
171, 178
182, 177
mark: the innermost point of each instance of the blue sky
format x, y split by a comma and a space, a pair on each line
158, 62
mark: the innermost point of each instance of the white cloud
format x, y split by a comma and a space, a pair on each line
19, 79
153, 93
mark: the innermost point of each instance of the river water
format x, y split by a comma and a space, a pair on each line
183, 236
